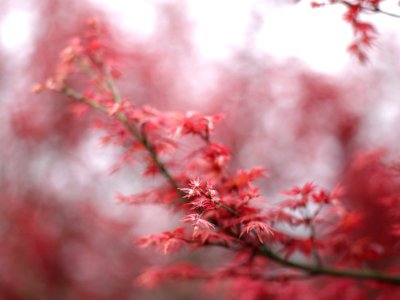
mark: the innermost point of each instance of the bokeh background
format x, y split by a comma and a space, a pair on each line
295, 103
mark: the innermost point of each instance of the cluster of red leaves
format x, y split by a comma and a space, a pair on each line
221, 207
364, 32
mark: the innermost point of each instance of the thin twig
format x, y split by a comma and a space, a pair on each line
373, 9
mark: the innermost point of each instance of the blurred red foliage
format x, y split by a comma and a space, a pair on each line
52, 249
308, 243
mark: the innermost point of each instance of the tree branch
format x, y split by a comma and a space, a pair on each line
333, 272
262, 250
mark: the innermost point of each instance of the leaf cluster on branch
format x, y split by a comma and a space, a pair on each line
306, 234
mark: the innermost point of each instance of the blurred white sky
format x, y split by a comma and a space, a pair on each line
317, 36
